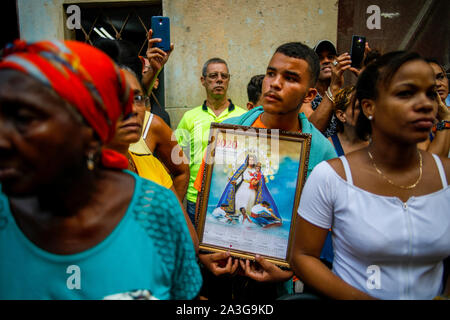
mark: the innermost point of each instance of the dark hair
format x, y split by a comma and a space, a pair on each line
212, 60
301, 51
254, 88
122, 52
371, 56
435, 61
342, 101
376, 75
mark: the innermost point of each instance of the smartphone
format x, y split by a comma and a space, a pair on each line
161, 29
357, 50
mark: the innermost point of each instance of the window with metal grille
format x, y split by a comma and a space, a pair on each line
121, 21
8, 23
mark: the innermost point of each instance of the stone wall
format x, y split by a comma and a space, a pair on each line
243, 32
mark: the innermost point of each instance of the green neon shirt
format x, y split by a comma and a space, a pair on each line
193, 132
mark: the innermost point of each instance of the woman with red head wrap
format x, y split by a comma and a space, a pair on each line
73, 225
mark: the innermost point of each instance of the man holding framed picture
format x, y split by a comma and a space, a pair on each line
289, 82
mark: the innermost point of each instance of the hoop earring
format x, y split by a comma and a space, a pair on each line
90, 161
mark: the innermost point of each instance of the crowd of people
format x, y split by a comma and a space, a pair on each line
98, 201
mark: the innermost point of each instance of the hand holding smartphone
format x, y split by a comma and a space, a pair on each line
161, 29
357, 50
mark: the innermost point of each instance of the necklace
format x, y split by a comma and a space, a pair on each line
390, 181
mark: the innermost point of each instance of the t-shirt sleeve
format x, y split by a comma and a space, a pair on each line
317, 198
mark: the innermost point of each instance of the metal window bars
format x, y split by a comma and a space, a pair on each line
130, 23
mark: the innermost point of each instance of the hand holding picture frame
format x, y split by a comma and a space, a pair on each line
251, 190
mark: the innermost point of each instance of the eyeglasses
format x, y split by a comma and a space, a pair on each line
140, 100
215, 75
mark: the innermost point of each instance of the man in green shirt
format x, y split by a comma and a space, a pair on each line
193, 130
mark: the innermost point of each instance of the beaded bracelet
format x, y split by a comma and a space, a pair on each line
441, 125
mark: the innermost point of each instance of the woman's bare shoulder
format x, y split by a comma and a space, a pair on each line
161, 132
353, 159
159, 124
445, 162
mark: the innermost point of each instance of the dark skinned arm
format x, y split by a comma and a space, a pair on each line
160, 142
321, 117
441, 142
156, 59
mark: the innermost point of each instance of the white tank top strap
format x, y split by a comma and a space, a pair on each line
147, 126
441, 170
348, 173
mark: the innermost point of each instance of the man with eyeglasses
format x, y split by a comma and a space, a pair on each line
193, 130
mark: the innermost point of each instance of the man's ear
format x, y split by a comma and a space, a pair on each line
368, 107
310, 95
202, 80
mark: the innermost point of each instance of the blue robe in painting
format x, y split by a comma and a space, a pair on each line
262, 194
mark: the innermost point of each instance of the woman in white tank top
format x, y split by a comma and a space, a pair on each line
387, 204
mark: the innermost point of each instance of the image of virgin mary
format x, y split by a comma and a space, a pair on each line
240, 195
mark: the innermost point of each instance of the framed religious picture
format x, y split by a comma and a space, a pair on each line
252, 181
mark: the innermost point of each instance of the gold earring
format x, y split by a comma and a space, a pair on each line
90, 161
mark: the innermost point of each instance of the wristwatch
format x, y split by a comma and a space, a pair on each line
441, 125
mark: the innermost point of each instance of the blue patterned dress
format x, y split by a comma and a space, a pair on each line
149, 255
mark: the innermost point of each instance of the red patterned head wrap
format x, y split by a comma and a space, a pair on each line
83, 76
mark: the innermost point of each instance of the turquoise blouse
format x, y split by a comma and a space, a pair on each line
149, 254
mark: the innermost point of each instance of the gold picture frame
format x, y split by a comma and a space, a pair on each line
251, 187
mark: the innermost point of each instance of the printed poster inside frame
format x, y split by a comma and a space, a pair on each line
251, 190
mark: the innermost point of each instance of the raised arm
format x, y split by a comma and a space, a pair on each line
441, 142
321, 117
156, 59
